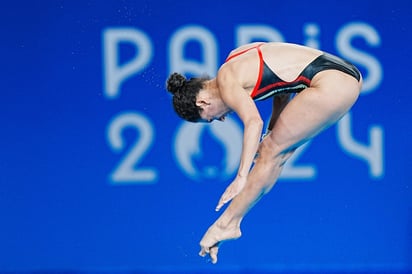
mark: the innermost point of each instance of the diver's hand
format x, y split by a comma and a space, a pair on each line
213, 238
231, 191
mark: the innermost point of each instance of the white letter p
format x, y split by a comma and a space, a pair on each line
115, 73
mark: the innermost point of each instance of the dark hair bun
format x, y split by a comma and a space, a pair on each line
175, 82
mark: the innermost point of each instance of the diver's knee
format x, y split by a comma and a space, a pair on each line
272, 153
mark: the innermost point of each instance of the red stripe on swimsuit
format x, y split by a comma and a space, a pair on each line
268, 83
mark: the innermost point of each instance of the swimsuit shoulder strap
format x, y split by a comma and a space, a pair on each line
261, 65
230, 57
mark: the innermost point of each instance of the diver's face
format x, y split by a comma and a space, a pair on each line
213, 111
211, 107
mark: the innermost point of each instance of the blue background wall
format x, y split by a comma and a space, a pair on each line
99, 174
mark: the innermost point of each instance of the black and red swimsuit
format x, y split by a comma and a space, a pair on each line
269, 84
